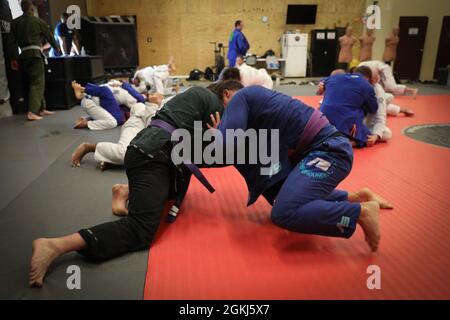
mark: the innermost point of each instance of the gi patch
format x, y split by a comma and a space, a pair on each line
345, 222
317, 165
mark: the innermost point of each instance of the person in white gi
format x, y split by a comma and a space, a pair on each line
379, 68
109, 115
377, 122
388, 80
155, 77
253, 77
114, 153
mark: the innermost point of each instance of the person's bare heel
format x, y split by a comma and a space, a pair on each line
33, 117
81, 151
369, 220
119, 200
46, 113
44, 252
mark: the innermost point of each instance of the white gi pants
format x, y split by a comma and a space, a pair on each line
100, 118
389, 84
123, 98
114, 153
161, 79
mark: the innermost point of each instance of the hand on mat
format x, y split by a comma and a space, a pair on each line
215, 120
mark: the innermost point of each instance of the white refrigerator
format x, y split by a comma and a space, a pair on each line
295, 52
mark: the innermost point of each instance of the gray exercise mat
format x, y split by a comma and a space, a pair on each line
58, 200
436, 134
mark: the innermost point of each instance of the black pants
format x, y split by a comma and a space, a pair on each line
149, 181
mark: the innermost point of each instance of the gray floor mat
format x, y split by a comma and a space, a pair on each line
436, 134
57, 199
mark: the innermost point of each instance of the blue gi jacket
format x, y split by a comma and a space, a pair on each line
238, 45
61, 30
347, 99
256, 107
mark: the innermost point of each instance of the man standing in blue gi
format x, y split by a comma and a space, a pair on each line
314, 157
238, 44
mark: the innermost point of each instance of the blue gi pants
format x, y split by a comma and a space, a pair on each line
308, 202
232, 56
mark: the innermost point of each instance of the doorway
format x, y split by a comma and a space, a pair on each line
412, 35
443, 55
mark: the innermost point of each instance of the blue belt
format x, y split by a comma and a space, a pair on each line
192, 167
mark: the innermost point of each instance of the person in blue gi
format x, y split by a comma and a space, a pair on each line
238, 44
348, 98
63, 36
101, 106
313, 159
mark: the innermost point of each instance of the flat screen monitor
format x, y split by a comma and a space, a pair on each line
301, 14
119, 45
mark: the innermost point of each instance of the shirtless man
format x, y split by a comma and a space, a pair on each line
366, 42
390, 51
346, 42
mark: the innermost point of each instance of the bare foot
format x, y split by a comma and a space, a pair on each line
366, 195
33, 117
78, 90
46, 113
44, 252
81, 123
81, 151
369, 221
157, 98
172, 67
176, 89
408, 112
119, 200
414, 93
